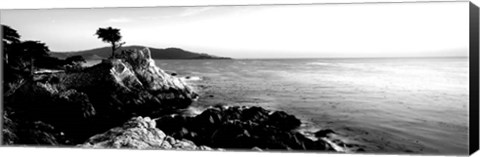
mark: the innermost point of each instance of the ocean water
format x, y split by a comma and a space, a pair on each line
383, 105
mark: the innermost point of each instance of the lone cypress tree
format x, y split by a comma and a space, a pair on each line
110, 35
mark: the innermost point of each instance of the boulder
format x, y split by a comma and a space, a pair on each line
240, 128
139, 133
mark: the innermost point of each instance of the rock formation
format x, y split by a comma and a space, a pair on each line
69, 108
139, 133
241, 128
131, 84
83, 103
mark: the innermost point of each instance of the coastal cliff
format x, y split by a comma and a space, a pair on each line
82, 103
128, 102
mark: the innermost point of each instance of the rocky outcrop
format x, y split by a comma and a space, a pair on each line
241, 128
83, 103
131, 84
139, 133
69, 108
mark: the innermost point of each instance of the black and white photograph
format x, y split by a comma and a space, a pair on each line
355, 78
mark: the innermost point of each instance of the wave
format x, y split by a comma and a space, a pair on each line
320, 63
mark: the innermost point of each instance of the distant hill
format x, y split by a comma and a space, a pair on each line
168, 53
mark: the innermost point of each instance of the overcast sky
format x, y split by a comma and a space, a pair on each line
267, 31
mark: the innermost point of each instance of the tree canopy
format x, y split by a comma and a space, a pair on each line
110, 35
10, 40
9, 35
35, 49
22, 57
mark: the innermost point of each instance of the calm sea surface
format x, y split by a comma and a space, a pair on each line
385, 105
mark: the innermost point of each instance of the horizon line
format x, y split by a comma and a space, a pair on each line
421, 57
340, 57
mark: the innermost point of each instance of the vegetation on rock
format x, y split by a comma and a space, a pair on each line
23, 58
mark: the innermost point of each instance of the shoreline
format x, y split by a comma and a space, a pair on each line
345, 107
210, 97
105, 95
328, 113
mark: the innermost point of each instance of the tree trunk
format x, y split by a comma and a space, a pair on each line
113, 50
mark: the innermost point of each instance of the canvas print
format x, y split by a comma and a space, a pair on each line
383, 78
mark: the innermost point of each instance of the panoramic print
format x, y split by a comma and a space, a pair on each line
383, 78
